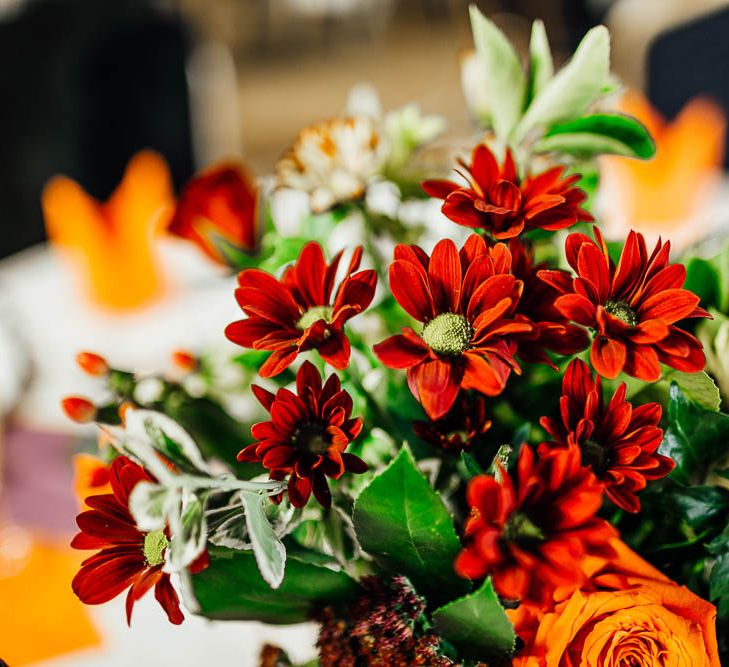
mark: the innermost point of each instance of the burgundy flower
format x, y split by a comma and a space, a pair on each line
299, 312
466, 302
219, 208
529, 531
128, 557
497, 201
618, 441
632, 307
307, 436
459, 428
552, 330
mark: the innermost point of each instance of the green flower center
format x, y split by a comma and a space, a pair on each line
622, 311
313, 438
595, 456
314, 314
448, 334
520, 528
155, 544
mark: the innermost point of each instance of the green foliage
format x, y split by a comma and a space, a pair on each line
541, 66
600, 133
695, 437
402, 522
477, 625
231, 589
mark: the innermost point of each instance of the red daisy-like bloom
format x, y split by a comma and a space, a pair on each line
618, 441
466, 302
632, 307
530, 532
459, 428
499, 202
552, 330
218, 210
307, 436
128, 557
299, 312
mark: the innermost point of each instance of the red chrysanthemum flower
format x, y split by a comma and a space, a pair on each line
299, 312
530, 532
466, 302
499, 202
218, 211
552, 330
128, 557
459, 428
633, 307
618, 441
307, 436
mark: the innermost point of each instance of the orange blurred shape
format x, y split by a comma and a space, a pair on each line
666, 194
218, 210
90, 477
112, 242
41, 617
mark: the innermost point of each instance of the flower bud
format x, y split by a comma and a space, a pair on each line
92, 364
185, 360
79, 409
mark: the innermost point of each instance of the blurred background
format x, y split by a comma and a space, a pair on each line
86, 84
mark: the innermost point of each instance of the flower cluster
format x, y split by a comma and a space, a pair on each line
444, 468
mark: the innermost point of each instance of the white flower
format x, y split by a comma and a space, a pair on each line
475, 85
406, 129
333, 161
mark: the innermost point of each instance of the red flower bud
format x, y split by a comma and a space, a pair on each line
92, 364
79, 409
185, 360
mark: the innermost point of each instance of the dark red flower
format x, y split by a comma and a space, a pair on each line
466, 302
299, 312
618, 441
128, 557
552, 330
218, 211
307, 436
632, 307
529, 532
459, 428
499, 202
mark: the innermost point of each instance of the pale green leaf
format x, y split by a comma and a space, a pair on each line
507, 81
268, 549
571, 91
541, 66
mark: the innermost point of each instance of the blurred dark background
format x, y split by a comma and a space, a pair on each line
86, 83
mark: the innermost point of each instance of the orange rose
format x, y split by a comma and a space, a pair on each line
632, 614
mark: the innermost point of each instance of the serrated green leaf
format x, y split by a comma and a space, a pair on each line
230, 588
541, 66
401, 521
697, 387
268, 549
597, 134
477, 625
507, 81
571, 91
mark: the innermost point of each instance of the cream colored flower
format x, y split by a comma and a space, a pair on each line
333, 161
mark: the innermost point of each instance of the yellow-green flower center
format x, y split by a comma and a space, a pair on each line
155, 544
314, 314
448, 334
520, 528
622, 311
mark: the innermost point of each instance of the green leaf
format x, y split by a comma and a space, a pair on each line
541, 67
719, 578
507, 81
695, 437
697, 387
571, 91
230, 588
470, 464
477, 625
401, 521
189, 533
597, 134
702, 278
698, 506
150, 503
268, 549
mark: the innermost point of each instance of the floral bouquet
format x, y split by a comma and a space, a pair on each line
484, 436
